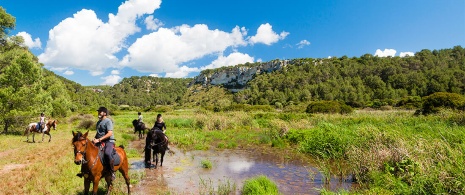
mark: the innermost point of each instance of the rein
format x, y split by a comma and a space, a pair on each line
84, 161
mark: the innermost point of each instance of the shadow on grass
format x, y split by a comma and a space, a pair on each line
100, 190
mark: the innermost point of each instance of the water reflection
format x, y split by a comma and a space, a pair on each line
182, 172
240, 166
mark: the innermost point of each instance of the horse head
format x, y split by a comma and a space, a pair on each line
80, 143
135, 122
158, 136
52, 124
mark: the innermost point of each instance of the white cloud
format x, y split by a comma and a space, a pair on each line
231, 60
154, 75
115, 72
266, 35
152, 24
29, 42
85, 42
385, 53
404, 54
181, 72
111, 80
302, 44
68, 72
166, 49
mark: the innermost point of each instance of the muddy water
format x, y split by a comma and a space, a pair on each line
182, 172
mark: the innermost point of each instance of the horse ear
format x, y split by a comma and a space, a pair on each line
74, 134
85, 134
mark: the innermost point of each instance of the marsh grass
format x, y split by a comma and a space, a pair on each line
388, 151
259, 185
207, 186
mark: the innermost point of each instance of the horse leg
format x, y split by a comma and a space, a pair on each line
43, 135
95, 186
86, 186
109, 184
49, 136
155, 158
161, 160
33, 135
124, 170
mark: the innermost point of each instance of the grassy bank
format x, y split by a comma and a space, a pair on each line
387, 152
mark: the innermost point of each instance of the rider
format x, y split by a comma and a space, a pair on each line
41, 123
140, 119
105, 135
159, 123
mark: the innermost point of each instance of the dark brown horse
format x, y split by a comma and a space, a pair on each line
159, 142
32, 128
86, 154
139, 127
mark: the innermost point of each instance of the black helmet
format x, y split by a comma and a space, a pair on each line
42, 114
138, 113
103, 109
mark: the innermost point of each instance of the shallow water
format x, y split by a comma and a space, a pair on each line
182, 172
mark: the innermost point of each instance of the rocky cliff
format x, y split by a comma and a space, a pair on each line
235, 78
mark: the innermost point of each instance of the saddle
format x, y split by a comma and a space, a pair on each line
114, 155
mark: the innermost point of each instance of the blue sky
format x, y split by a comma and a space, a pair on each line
101, 42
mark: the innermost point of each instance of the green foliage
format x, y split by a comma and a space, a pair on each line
433, 102
259, 185
328, 107
205, 163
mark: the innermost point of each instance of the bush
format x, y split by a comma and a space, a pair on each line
434, 102
328, 107
259, 185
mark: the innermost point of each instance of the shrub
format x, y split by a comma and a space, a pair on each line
259, 185
435, 101
207, 164
86, 124
328, 107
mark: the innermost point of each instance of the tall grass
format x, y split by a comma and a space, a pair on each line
392, 150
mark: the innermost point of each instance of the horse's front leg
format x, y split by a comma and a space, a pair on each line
33, 135
49, 137
95, 186
43, 135
86, 186
161, 160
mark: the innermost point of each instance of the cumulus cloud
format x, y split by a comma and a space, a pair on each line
385, 53
111, 80
181, 72
152, 23
302, 44
230, 60
166, 49
68, 72
29, 42
404, 54
266, 35
86, 42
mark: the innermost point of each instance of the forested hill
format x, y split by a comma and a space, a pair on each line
360, 81
148, 91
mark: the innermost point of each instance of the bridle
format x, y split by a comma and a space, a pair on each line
165, 140
83, 153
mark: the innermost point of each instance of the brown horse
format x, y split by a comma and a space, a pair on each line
31, 128
86, 154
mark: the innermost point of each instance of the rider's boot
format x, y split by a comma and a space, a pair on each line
112, 169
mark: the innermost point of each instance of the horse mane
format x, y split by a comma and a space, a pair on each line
77, 137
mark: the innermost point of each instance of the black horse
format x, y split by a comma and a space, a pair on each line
139, 127
158, 142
